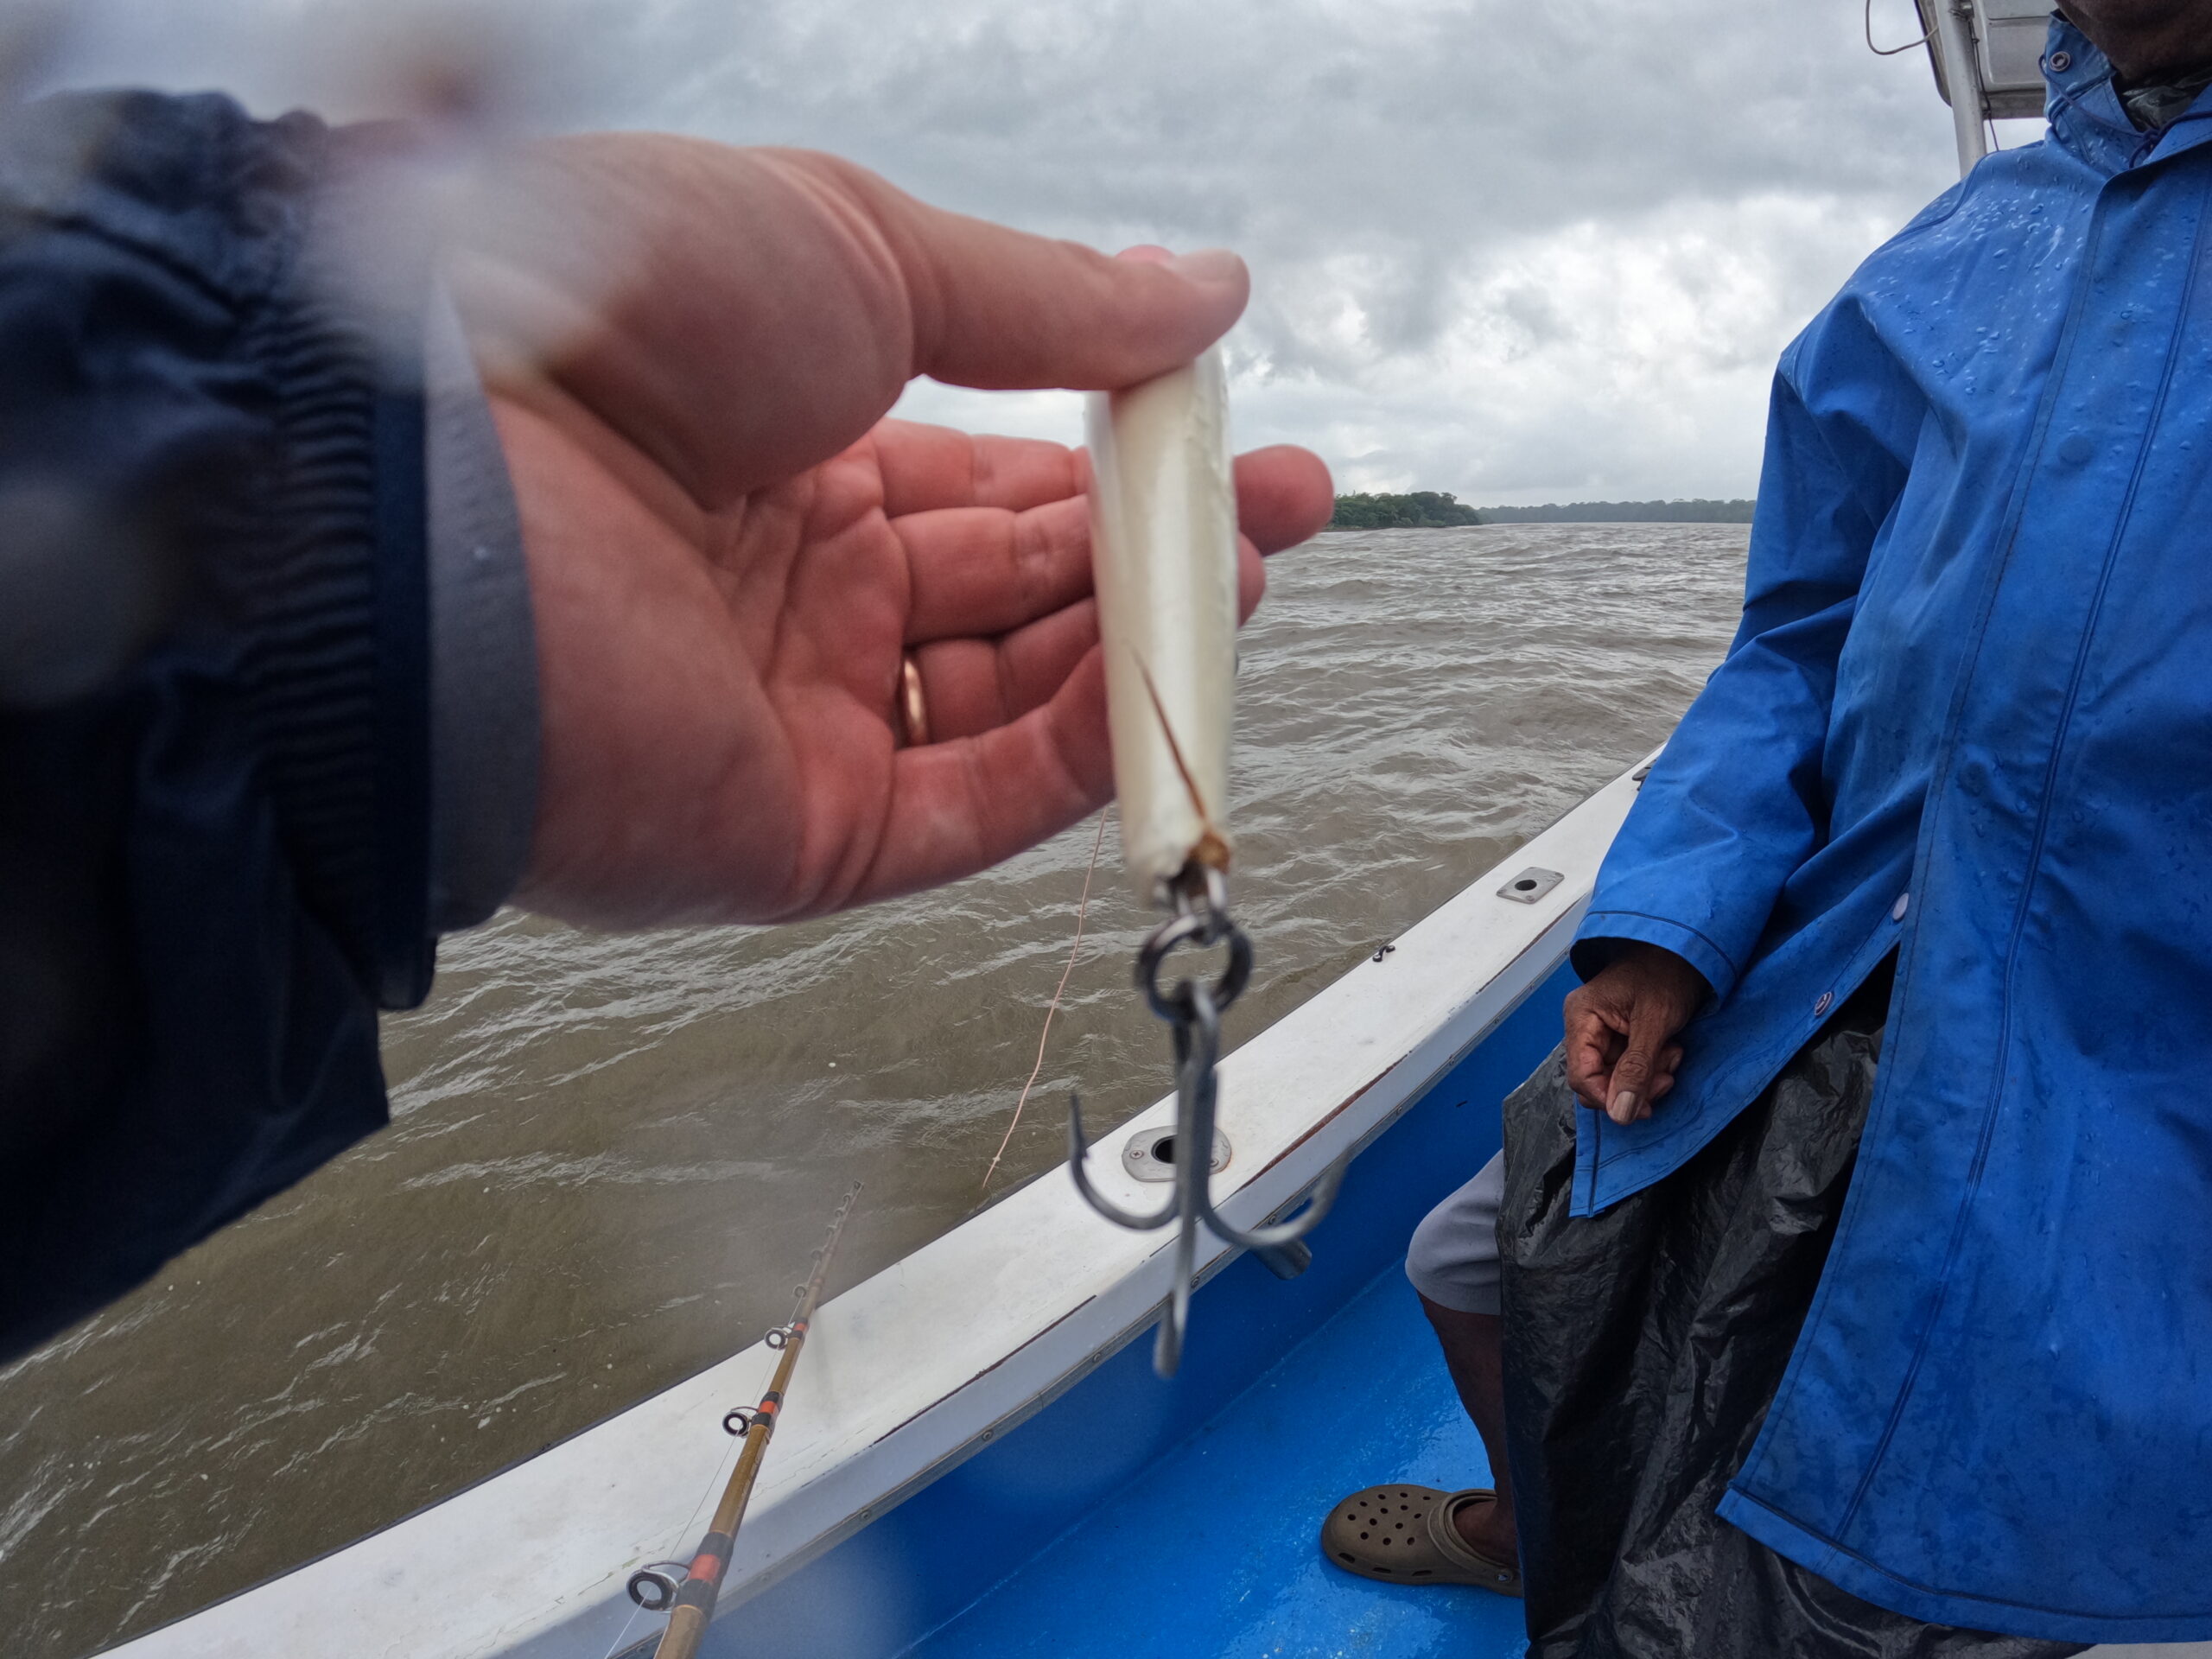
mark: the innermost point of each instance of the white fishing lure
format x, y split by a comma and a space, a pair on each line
1163, 551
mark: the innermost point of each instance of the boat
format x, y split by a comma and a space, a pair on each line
977, 1458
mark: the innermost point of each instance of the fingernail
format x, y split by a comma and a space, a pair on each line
1622, 1107
1209, 267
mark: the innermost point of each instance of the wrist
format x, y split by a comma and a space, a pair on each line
1655, 977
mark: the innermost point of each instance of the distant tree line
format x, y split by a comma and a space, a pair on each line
1699, 511
1422, 510
1435, 509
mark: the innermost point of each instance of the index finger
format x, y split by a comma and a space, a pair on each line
927, 468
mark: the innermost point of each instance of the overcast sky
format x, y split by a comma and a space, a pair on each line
1520, 251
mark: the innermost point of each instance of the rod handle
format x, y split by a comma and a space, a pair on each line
687, 1628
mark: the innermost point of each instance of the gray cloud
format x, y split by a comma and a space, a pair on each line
1518, 252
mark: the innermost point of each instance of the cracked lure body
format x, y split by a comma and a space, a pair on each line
1163, 509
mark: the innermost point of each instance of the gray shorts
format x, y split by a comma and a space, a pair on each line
1452, 1259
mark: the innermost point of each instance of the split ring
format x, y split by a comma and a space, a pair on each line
1199, 928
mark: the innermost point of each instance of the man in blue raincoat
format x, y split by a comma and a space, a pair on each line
1966, 725
1808, 1354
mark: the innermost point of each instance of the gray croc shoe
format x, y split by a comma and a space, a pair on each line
1404, 1534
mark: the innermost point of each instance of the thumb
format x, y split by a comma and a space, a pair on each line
998, 308
739, 316
1629, 1095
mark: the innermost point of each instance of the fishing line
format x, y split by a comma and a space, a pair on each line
1892, 51
1082, 909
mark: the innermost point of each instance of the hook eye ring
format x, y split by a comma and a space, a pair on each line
1199, 928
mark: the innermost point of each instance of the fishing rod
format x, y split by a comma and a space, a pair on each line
688, 1589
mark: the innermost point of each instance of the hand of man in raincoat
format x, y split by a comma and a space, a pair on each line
1621, 1053
691, 350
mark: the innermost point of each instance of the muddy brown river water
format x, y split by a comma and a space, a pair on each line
610, 1155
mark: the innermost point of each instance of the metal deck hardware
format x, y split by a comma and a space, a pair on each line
1531, 885
1149, 1155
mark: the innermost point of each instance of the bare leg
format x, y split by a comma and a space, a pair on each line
1473, 1353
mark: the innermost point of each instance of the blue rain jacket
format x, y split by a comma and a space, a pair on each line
1968, 717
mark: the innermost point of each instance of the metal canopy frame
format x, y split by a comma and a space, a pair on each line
1993, 48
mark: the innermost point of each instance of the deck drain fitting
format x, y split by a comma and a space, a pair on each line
1149, 1154
1531, 885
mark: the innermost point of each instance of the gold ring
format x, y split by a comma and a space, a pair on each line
913, 709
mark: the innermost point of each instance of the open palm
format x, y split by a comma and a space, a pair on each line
731, 551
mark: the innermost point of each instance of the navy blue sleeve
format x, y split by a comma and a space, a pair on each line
214, 769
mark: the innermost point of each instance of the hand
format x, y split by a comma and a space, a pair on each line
1621, 1056
690, 349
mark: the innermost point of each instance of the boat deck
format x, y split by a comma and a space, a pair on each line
1212, 1551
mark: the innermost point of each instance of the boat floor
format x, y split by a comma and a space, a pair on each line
1213, 1550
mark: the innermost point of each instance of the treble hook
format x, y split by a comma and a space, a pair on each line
1192, 1010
